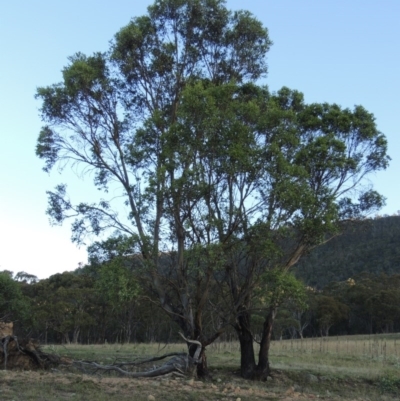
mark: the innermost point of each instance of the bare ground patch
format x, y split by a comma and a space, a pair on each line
34, 385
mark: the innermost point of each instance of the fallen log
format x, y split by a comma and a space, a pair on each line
27, 355
181, 364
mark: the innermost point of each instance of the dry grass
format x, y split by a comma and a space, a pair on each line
367, 357
345, 368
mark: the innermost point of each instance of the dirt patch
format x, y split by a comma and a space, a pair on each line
143, 388
65, 385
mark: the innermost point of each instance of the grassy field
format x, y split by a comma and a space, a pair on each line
345, 368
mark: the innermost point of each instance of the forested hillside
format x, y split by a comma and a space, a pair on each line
355, 277
371, 246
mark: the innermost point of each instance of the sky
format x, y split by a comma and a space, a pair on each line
336, 51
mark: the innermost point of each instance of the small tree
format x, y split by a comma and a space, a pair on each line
118, 288
14, 306
329, 311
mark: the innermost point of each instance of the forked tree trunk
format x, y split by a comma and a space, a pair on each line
202, 366
248, 367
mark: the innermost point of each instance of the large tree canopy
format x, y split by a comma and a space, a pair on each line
220, 179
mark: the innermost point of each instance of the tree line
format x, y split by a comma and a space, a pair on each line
82, 307
365, 304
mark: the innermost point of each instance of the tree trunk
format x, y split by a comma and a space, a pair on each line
202, 366
66, 338
263, 370
46, 334
247, 359
248, 367
75, 336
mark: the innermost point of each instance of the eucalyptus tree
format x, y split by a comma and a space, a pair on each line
271, 177
223, 182
117, 116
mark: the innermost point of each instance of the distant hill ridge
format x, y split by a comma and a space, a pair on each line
366, 246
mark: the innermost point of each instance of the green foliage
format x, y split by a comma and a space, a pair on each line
277, 287
194, 39
14, 306
117, 284
328, 311
389, 384
114, 247
62, 303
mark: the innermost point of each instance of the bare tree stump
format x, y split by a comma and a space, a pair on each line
25, 355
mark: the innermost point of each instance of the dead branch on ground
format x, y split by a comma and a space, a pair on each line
27, 355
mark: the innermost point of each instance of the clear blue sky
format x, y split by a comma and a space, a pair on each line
339, 51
